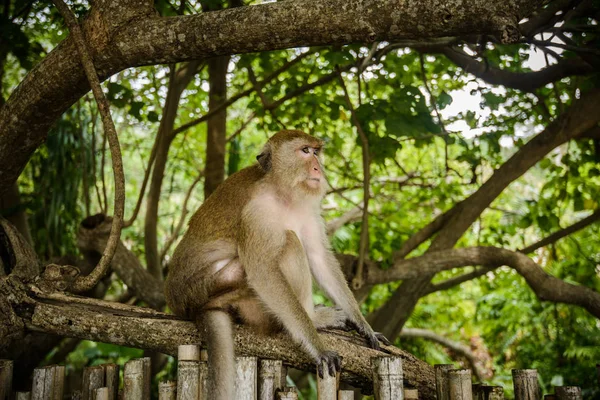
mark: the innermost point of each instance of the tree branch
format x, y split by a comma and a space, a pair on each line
143, 328
563, 232
457, 347
525, 81
545, 286
127, 34
83, 284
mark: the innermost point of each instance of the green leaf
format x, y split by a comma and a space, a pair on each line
443, 100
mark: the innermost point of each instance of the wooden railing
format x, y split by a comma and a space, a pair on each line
261, 380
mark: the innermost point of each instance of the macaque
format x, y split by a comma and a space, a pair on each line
249, 256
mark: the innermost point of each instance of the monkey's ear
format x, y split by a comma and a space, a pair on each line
264, 159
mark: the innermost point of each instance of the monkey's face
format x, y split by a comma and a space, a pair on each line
311, 165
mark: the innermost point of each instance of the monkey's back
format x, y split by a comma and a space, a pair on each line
212, 229
219, 216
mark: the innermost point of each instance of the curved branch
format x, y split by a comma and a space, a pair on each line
525, 81
85, 283
127, 34
460, 348
457, 280
545, 286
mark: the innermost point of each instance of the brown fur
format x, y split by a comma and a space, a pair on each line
249, 254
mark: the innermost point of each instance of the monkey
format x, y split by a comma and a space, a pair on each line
250, 254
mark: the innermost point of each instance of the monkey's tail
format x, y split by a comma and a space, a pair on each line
221, 359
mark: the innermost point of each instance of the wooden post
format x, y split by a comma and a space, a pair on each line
167, 390
345, 395
568, 393
101, 393
441, 380
411, 394
93, 378
38, 385
188, 379
134, 380
246, 370
58, 387
459, 383
270, 378
288, 393
525, 382
483, 392
23, 396
147, 376
327, 386
387, 378
111, 380
6, 374
203, 380
188, 352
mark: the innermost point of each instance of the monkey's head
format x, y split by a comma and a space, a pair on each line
293, 159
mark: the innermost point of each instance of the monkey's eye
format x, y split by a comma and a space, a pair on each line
316, 152
306, 150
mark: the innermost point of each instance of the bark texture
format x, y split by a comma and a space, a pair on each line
122, 34
116, 323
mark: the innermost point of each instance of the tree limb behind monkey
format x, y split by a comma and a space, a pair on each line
249, 256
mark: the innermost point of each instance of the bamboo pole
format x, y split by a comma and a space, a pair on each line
246, 370
441, 380
525, 383
387, 378
188, 379
459, 383
93, 378
134, 380
111, 380
327, 386
270, 378
167, 390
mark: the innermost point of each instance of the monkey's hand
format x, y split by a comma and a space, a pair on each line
330, 361
373, 338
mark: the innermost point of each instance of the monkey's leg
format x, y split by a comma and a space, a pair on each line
269, 282
219, 337
331, 318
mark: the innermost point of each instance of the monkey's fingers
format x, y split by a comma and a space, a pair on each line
372, 340
382, 339
332, 361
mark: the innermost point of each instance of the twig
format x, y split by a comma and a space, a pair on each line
85, 283
241, 128
138, 205
357, 281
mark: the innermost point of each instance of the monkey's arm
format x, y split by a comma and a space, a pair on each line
328, 274
262, 249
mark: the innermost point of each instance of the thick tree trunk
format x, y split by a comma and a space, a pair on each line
216, 136
177, 83
14, 212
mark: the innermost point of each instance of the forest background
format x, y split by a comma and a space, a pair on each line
464, 165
